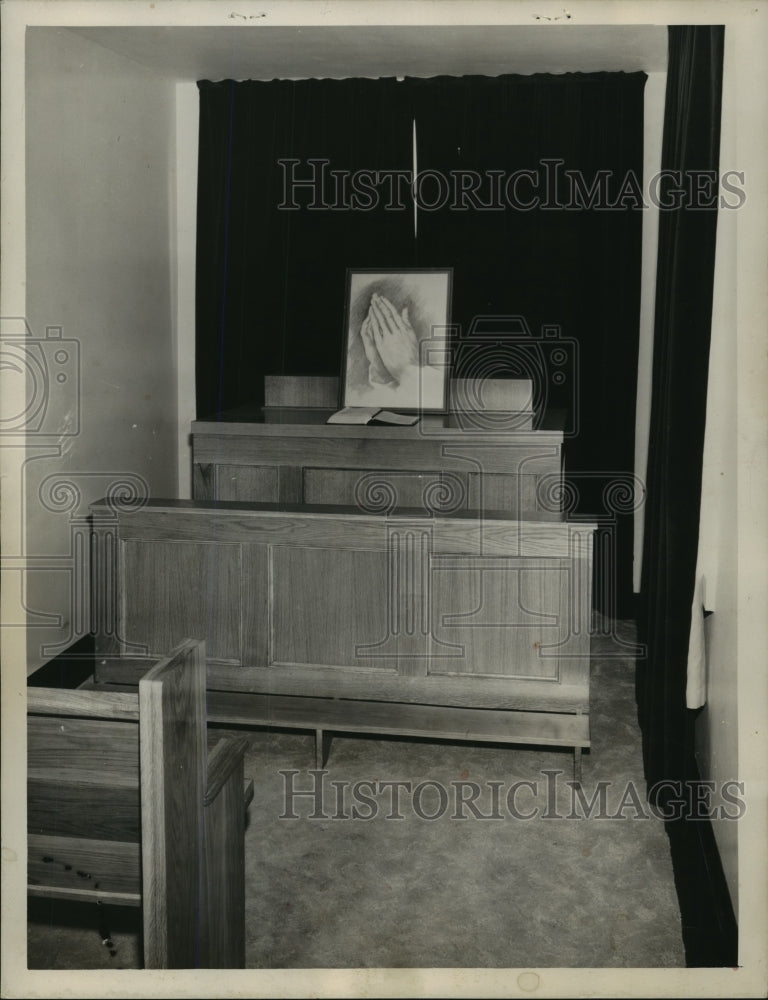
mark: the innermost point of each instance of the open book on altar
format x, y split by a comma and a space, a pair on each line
372, 415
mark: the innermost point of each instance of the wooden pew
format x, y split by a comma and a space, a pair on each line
328, 619
126, 806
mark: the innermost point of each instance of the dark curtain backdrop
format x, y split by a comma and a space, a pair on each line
684, 285
271, 283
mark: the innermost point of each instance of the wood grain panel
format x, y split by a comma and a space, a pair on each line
326, 603
266, 525
305, 440
93, 751
173, 751
289, 484
82, 703
76, 808
403, 448
255, 604
174, 589
377, 492
515, 454
84, 869
516, 495
256, 483
501, 615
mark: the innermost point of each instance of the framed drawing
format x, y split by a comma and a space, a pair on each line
397, 350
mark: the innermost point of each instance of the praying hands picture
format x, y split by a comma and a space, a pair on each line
394, 356
389, 342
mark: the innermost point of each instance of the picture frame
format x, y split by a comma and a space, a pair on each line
397, 352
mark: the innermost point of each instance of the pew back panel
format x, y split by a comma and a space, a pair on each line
173, 756
457, 610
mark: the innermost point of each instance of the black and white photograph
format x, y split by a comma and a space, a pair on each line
397, 339
383, 430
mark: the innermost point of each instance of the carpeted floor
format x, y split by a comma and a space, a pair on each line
375, 881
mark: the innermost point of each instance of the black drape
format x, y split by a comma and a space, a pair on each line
684, 283
271, 280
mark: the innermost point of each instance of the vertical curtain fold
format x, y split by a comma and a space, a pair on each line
684, 287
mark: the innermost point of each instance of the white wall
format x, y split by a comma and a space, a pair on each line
187, 131
732, 534
653, 125
100, 171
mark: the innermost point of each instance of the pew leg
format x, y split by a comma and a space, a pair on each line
322, 748
104, 932
577, 765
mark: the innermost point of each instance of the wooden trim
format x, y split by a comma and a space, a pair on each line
380, 718
95, 870
84, 895
365, 685
83, 704
430, 428
462, 533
